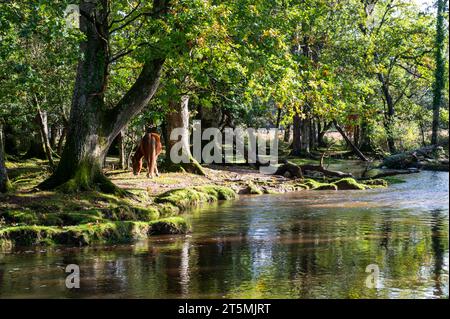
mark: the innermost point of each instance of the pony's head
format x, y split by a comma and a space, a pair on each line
136, 163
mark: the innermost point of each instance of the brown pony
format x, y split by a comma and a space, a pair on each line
149, 148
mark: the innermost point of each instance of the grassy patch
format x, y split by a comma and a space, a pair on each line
349, 183
170, 225
188, 197
315, 185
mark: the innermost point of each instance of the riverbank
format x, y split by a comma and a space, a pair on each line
154, 206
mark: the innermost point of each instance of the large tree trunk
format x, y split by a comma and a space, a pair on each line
178, 118
305, 136
5, 185
439, 77
92, 125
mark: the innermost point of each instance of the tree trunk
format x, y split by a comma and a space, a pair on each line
365, 144
312, 134
43, 128
36, 147
321, 132
297, 136
349, 142
61, 140
178, 118
121, 145
277, 124
5, 185
54, 132
287, 134
92, 125
389, 115
439, 77
305, 133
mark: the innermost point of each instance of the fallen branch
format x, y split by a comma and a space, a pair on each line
324, 171
349, 142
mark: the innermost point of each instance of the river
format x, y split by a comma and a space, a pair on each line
310, 244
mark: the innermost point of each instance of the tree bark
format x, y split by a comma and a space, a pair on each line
349, 142
61, 140
287, 134
439, 77
5, 184
277, 124
121, 145
389, 115
321, 132
305, 135
178, 118
297, 136
54, 132
92, 125
43, 128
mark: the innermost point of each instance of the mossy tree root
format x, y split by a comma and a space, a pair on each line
193, 167
84, 178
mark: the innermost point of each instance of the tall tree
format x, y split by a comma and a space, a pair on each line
439, 77
93, 124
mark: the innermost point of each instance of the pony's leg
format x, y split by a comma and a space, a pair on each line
149, 167
140, 167
156, 166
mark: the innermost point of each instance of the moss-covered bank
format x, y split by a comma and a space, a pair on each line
46, 218
85, 234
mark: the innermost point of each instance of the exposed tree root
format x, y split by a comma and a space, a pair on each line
193, 167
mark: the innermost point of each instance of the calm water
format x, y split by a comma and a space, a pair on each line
303, 245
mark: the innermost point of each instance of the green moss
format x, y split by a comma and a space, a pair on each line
20, 217
170, 225
147, 214
376, 183
252, 189
168, 210
28, 235
326, 186
267, 190
184, 198
315, 185
219, 192
81, 235
111, 232
349, 183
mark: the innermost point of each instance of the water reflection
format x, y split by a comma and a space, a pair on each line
304, 245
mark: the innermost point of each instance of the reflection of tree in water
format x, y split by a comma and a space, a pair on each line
437, 233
